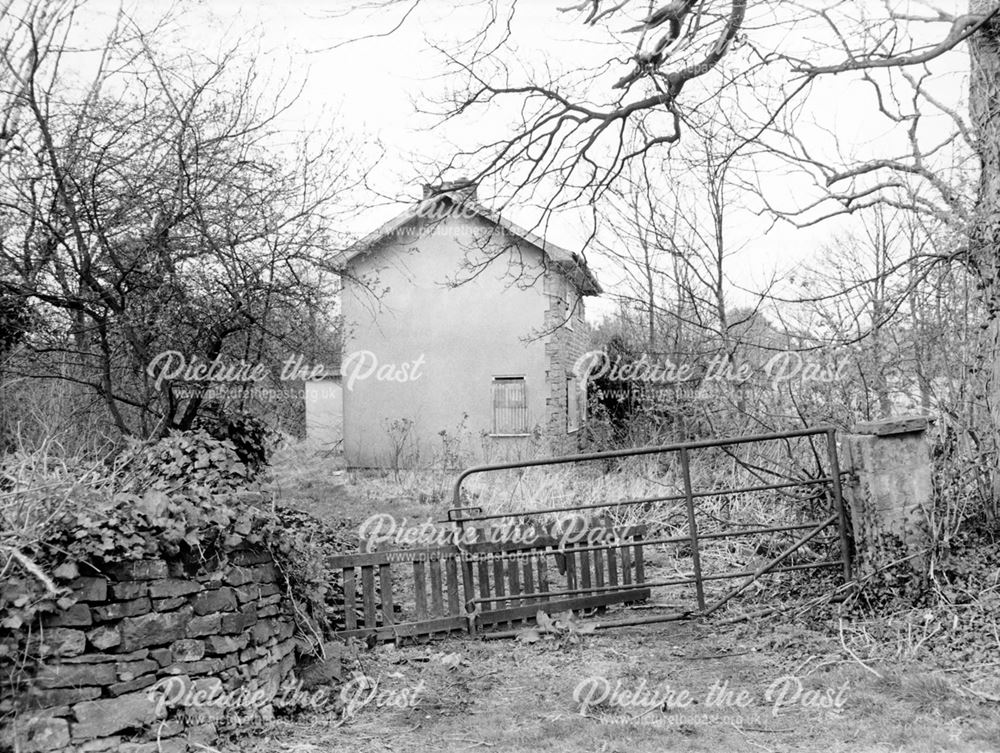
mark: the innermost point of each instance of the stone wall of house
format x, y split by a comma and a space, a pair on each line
154, 658
562, 349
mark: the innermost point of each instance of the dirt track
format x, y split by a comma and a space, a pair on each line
775, 689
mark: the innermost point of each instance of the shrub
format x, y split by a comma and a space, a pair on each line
194, 462
251, 437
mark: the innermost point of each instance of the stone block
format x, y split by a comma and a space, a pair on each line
210, 581
118, 610
321, 673
90, 589
104, 637
75, 675
203, 667
154, 629
269, 589
129, 589
238, 576
62, 696
187, 649
249, 592
169, 605
163, 589
98, 658
107, 716
896, 425
249, 557
225, 644
132, 669
286, 629
218, 600
130, 686
62, 642
266, 601
202, 735
239, 621
141, 570
42, 734
101, 744
263, 631
205, 625
169, 728
264, 573
162, 656
287, 646
890, 491
77, 615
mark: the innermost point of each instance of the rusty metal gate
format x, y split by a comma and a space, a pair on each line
498, 569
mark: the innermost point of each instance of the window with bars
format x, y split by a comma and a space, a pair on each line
510, 406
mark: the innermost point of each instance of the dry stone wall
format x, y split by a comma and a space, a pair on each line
154, 658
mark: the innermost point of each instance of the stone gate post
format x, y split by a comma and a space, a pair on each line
889, 492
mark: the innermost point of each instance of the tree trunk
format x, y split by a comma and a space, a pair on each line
984, 237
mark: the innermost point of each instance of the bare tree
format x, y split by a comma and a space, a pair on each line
153, 212
758, 67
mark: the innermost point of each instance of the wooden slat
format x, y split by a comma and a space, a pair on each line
390, 556
368, 594
483, 571
599, 568
640, 564
468, 581
626, 565
612, 566
571, 579
437, 605
529, 580
585, 569
468, 591
514, 579
451, 576
543, 573
408, 629
559, 605
498, 584
385, 589
350, 602
420, 588
485, 542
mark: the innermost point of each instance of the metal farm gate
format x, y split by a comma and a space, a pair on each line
498, 570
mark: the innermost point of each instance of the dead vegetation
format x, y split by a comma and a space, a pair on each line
922, 672
510, 696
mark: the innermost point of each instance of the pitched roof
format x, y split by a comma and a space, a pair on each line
571, 264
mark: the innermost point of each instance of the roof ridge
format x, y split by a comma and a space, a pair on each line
552, 251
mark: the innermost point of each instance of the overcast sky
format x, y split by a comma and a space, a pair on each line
373, 89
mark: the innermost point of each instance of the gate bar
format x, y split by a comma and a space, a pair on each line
771, 565
838, 497
622, 543
605, 625
670, 582
640, 501
692, 529
610, 454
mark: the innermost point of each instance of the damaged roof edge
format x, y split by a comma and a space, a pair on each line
572, 264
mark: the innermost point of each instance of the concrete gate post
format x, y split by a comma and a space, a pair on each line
889, 492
